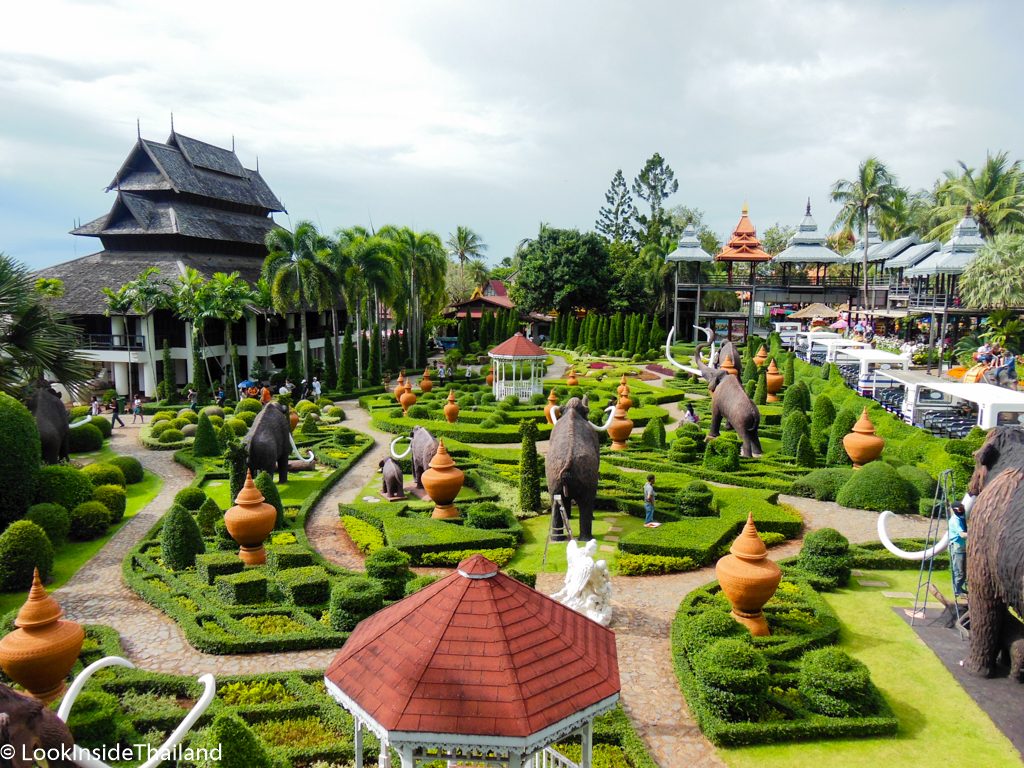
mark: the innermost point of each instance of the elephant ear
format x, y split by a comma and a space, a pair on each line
984, 459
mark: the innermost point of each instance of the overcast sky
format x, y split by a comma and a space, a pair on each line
498, 115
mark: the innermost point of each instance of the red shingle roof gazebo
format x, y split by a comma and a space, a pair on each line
476, 667
518, 367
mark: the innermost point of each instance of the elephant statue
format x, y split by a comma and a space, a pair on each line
571, 463
728, 400
26, 723
52, 422
1011, 646
995, 543
423, 446
270, 442
392, 485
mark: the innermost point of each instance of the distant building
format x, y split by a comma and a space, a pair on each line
178, 204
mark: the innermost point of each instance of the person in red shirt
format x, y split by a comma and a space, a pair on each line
265, 395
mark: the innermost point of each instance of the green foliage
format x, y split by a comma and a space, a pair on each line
722, 455
836, 455
207, 516
180, 539
244, 588
696, 500
374, 364
390, 567
305, 586
265, 484
170, 386
210, 566
705, 628
103, 425
652, 565
236, 457
64, 485
253, 693
250, 404
414, 585
205, 443
239, 746
794, 427
789, 370
826, 371
733, 678
878, 486
114, 498
822, 484
95, 720
749, 388
24, 547
102, 473
452, 557
922, 481
85, 439
309, 427
89, 520
352, 600
283, 557
191, 497
365, 536
529, 476
826, 554
749, 371
822, 416
53, 519
654, 434
293, 360
171, 436
130, 467
489, 516
684, 449
761, 390
797, 398
562, 269
805, 455
836, 685
330, 364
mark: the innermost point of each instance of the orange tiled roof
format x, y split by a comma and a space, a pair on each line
743, 245
476, 653
518, 346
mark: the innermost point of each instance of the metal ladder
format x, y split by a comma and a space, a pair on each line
560, 529
938, 524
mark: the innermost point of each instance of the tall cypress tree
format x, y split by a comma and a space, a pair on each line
348, 364
615, 332
364, 344
375, 355
464, 340
201, 385
643, 342
483, 332
529, 468
330, 366
169, 379
236, 366
394, 352
631, 335
571, 333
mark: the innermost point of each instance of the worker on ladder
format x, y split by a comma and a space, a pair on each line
958, 549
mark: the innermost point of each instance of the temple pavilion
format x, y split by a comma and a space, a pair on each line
688, 255
807, 253
517, 365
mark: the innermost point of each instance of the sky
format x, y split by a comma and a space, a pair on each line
498, 115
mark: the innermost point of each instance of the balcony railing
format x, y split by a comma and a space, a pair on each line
776, 281
115, 341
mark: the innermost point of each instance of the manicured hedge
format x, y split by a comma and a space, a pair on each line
878, 486
101, 473
112, 497
63, 484
89, 520
352, 600
24, 547
19, 468
826, 554
130, 467
210, 566
305, 586
822, 484
85, 438
243, 588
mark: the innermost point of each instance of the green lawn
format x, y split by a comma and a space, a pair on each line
293, 493
939, 722
73, 555
531, 551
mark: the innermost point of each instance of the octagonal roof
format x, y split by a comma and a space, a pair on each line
517, 346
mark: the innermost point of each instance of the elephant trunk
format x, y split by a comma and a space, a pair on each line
298, 453
400, 456
704, 369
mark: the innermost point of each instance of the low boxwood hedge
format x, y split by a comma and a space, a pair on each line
243, 588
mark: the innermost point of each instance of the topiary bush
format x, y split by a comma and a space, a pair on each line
352, 600
389, 566
685, 449
309, 426
699, 631
733, 679
250, 404
237, 744
24, 547
171, 436
265, 484
53, 519
205, 443
96, 720
797, 398
19, 468
130, 467
826, 554
207, 516
805, 455
89, 520
114, 498
923, 483
822, 416
654, 434
844, 421
180, 539
697, 500
487, 515
722, 455
237, 426
836, 685
190, 497
64, 485
821, 484
103, 425
101, 473
158, 428
243, 588
85, 439
794, 426
878, 487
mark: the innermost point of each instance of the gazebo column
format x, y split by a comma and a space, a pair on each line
357, 744
516, 760
587, 745
384, 760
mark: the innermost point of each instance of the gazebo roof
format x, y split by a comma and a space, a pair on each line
743, 245
812, 311
689, 247
476, 654
807, 246
955, 254
518, 346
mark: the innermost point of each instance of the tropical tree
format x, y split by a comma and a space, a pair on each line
995, 278
191, 302
465, 244
231, 298
120, 303
263, 300
35, 340
563, 269
299, 276
995, 195
421, 257
870, 192
654, 184
1005, 328
614, 218
479, 274
149, 293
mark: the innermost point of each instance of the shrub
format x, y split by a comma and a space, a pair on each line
699, 631
821, 484
130, 467
209, 567
281, 558
265, 484
733, 679
794, 426
797, 398
102, 473
923, 483
180, 539
529, 579
366, 537
652, 565
85, 439
654, 434
878, 486
805, 455
162, 416
19, 468
488, 516
835, 684
207, 516
237, 426
250, 694
158, 428
822, 416
190, 416
722, 455
420, 412
344, 437
416, 584
309, 426
23, 548
826, 553
844, 421
206, 438
114, 499
529, 468
103, 425
64, 485
53, 519
352, 600
239, 746
190, 497
89, 520
243, 588
171, 436
250, 404
305, 586
684, 449
246, 417
390, 567
95, 721
749, 388
761, 390
697, 500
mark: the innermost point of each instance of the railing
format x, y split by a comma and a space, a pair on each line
549, 758
899, 292
931, 301
115, 341
524, 390
775, 281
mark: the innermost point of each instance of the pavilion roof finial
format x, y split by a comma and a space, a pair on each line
172, 122
969, 211
138, 129
746, 208
808, 211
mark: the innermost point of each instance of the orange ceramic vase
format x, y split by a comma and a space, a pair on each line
552, 402
774, 381
442, 482
451, 408
620, 429
623, 386
748, 579
425, 383
625, 402
728, 366
761, 356
293, 418
249, 522
862, 445
39, 654
572, 381
408, 400
400, 387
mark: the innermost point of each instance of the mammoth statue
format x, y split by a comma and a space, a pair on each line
423, 446
572, 460
728, 400
26, 723
391, 482
995, 543
52, 422
270, 442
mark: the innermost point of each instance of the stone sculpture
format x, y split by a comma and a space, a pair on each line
391, 481
423, 446
270, 442
52, 422
588, 586
26, 723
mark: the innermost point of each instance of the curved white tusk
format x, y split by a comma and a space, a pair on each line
83, 678
968, 502
86, 420
554, 414
300, 457
408, 450
610, 410
668, 348
210, 690
924, 554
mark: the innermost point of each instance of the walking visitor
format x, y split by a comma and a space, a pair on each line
115, 412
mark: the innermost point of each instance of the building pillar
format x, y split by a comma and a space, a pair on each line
251, 344
189, 373
121, 372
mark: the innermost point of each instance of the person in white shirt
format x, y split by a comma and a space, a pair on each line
316, 387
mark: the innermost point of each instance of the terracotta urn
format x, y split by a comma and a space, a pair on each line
552, 402
408, 400
489, 380
862, 444
572, 381
625, 401
293, 418
400, 387
425, 383
442, 482
249, 522
761, 357
620, 428
623, 386
39, 654
728, 366
774, 379
451, 408
748, 579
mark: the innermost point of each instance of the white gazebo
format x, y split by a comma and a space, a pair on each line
517, 365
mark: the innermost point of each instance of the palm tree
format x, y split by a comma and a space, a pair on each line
298, 275
35, 341
995, 194
479, 273
869, 193
231, 300
420, 256
995, 278
121, 303
898, 221
148, 293
263, 300
191, 301
465, 244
